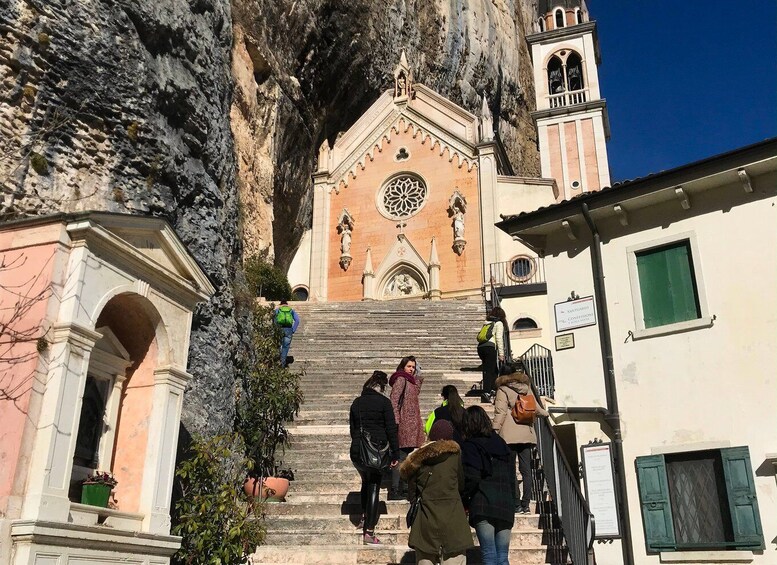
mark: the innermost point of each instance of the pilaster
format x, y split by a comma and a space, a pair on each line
487, 184
57, 428
319, 253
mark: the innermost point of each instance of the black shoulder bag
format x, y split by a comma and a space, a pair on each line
415, 505
373, 457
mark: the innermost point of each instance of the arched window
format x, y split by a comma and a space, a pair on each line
555, 76
559, 18
525, 324
579, 15
574, 72
541, 23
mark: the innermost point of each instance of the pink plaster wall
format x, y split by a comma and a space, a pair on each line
127, 319
591, 159
32, 260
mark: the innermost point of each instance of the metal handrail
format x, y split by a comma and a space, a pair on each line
567, 504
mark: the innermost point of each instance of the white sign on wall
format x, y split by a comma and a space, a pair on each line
599, 482
574, 314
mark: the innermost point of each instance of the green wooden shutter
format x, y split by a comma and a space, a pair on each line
742, 501
654, 498
667, 285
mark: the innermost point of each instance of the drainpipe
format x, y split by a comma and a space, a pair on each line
613, 416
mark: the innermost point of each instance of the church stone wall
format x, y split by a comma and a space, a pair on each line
372, 229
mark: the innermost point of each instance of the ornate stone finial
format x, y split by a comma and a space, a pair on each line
368, 270
434, 259
323, 156
403, 79
486, 121
457, 208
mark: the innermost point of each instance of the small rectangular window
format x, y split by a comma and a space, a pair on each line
667, 284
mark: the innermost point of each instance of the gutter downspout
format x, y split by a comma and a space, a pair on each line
613, 416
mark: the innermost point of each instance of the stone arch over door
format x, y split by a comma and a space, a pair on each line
403, 280
402, 273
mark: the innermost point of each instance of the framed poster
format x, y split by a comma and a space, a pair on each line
574, 314
599, 480
565, 341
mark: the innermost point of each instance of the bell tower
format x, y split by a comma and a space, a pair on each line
571, 116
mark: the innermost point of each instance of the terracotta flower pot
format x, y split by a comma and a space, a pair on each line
272, 489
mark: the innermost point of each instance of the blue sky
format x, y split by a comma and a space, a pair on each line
685, 80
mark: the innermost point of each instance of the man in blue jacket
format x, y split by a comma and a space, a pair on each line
288, 320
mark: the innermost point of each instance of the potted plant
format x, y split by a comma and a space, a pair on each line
96, 489
270, 397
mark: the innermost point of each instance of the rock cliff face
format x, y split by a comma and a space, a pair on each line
211, 114
124, 106
318, 64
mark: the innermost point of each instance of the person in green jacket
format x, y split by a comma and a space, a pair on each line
452, 409
440, 534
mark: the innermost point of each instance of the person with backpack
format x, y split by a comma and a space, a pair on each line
405, 392
371, 415
287, 319
452, 410
515, 410
439, 533
491, 350
489, 486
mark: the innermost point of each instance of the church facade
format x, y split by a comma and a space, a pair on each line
405, 201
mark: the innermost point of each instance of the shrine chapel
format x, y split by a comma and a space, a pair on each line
405, 201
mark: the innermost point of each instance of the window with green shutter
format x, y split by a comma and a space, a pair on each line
699, 500
667, 284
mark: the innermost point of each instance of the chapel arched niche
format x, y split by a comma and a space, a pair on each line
403, 281
117, 404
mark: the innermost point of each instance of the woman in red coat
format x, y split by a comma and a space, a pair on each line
405, 389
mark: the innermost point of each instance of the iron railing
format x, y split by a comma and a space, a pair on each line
564, 514
521, 271
538, 362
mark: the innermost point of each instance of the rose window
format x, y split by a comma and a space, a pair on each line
403, 196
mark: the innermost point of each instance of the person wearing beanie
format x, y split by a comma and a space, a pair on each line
440, 533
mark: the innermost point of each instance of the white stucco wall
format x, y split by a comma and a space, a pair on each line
713, 385
299, 270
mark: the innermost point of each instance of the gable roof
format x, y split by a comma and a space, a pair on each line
445, 125
639, 187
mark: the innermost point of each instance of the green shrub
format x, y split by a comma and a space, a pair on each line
266, 280
219, 524
39, 164
270, 397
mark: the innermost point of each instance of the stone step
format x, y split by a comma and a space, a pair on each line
380, 554
353, 536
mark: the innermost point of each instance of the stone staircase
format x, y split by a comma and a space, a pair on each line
338, 346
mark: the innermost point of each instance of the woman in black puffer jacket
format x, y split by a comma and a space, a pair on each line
373, 413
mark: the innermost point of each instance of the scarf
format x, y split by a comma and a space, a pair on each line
405, 375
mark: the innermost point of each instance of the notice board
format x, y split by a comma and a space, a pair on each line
599, 479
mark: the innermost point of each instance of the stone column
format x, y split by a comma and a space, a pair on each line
487, 177
169, 385
368, 279
434, 273
62, 390
319, 241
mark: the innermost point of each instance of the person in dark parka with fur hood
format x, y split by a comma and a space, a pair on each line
440, 534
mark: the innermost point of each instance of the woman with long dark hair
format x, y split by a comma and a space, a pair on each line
405, 390
372, 413
452, 409
489, 486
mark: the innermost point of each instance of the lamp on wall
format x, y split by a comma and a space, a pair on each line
573, 296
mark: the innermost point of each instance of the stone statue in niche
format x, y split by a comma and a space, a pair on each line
402, 284
403, 79
345, 224
457, 208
